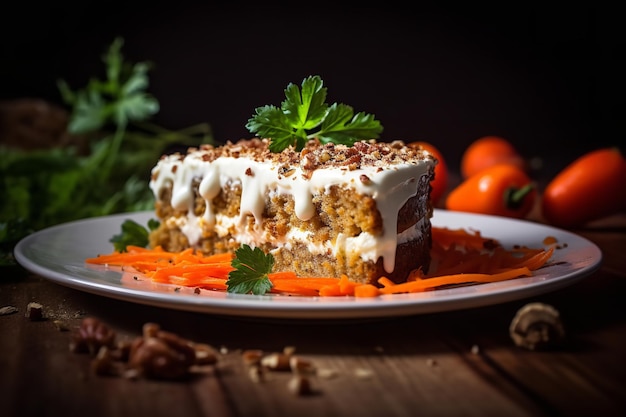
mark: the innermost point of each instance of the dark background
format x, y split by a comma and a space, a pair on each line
550, 80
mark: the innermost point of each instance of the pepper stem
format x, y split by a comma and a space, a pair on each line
514, 197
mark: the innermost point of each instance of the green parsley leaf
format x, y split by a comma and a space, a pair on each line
133, 234
252, 267
306, 109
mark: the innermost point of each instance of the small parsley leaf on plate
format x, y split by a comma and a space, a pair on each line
250, 275
305, 110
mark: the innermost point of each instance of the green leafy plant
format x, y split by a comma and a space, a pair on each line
46, 187
252, 267
304, 115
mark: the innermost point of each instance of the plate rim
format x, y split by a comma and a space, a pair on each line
303, 308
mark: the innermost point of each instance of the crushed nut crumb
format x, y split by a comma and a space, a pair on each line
289, 350
104, 364
299, 385
61, 326
276, 362
301, 366
363, 373
327, 373
256, 373
34, 311
205, 354
252, 357
8, 310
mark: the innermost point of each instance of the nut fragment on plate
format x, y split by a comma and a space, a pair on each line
537, 326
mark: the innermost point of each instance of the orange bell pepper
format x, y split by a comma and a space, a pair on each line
500, 190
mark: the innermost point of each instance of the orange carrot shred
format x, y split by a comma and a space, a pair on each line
385, 282
366, 290
429, 283
458, 257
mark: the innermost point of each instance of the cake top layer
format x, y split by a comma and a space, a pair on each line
315, 155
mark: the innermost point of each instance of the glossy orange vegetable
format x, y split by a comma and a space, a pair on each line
440, 182
500, 190
591, 187
487, 151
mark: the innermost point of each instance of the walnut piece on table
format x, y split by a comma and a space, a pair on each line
156, 354
537, 326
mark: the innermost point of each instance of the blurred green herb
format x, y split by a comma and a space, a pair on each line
45, 187
133, 234
304, 115
250, 275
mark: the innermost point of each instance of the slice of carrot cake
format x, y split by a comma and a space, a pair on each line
325, 210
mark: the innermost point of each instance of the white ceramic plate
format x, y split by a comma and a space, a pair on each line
58, 254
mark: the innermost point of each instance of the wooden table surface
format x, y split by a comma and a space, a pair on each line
457, 363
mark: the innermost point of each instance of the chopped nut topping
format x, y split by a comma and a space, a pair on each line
315, 154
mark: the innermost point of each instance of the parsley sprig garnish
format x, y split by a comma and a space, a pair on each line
250, 275
303, 111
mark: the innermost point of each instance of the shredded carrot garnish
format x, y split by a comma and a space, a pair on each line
458, 257
429, 283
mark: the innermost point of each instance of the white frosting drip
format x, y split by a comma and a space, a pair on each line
391, 186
